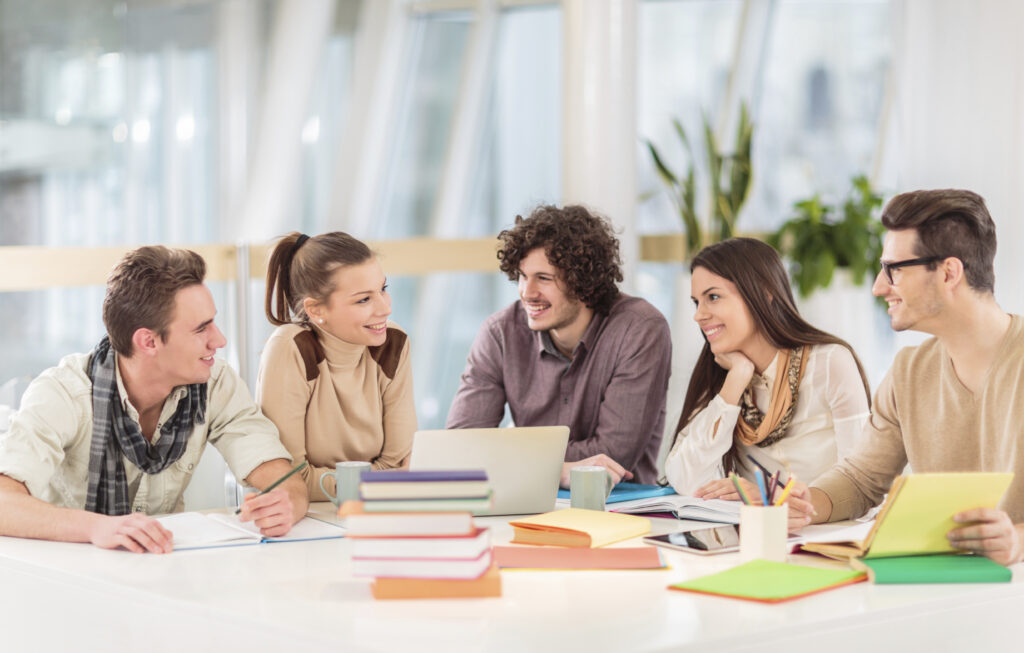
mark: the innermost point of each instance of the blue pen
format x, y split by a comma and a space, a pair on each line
761, 487
759, 465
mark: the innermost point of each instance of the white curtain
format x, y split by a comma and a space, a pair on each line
959, 93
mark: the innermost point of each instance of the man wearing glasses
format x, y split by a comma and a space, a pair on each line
954, 403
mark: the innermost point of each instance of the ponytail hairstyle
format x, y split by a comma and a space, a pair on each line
301, 266
760, 278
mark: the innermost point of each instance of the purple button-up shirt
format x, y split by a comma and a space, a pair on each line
611, 394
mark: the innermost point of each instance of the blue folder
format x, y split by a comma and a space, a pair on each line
626, 491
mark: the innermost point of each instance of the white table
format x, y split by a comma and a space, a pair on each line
293, 596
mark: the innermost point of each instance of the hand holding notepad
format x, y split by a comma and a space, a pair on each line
918, 513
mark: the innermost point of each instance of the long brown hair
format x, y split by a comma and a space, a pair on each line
302, 266
760, 278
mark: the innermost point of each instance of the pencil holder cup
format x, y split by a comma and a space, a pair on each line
589, 486
346, 481
763, 532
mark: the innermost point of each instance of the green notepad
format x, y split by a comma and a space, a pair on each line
770, 582
936, 569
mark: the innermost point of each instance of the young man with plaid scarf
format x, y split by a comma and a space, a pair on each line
108, 438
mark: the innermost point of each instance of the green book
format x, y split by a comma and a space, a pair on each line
770, 582
935, 569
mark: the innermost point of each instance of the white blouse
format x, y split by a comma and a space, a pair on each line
828, 420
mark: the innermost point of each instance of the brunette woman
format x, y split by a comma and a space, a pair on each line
767, 384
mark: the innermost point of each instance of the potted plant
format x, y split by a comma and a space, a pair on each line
821, 238
729, 176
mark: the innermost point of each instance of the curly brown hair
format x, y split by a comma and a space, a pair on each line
580, 244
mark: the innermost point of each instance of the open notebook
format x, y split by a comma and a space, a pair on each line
194, 530
712, 510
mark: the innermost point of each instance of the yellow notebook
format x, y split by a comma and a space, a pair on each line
918, 513
578, 527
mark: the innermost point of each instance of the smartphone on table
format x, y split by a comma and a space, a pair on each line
709, 541
704, 541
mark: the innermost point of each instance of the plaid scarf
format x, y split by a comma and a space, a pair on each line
108, 485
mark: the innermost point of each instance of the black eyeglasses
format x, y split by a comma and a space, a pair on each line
889, 267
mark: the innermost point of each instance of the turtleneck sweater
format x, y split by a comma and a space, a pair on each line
334, 401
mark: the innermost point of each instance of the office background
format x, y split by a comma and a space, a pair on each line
426, 126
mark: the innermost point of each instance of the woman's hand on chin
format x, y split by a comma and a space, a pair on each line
734, 359
741, 370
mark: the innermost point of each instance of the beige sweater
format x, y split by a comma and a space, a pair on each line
924, 415
334, 401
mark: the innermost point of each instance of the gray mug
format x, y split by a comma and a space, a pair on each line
346, 480
589, 486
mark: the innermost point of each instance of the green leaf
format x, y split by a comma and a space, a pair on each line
682, 136
663, 170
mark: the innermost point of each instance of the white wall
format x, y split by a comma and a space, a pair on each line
960, 113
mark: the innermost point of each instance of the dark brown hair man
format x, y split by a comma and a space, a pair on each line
574, 351
107, 438
953, 403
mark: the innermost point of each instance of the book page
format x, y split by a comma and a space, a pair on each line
306, 529
193, 529
843, 532
310, 528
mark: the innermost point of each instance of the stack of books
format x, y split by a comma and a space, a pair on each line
425, 491
413, 532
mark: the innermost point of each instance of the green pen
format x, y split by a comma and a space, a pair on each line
277, 482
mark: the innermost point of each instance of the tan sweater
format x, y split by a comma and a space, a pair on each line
334, 401
924, 415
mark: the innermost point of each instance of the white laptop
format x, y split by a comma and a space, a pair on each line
523, 464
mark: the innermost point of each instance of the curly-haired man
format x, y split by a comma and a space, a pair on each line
574, 350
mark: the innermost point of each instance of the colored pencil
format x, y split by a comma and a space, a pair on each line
762, 486
739, 488
277, 482
786, 490
773, 484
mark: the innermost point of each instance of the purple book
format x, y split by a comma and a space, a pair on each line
421, 476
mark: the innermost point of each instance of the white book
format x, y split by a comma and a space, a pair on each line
712, 510
463, 546
441, 568
384, 524
194, 530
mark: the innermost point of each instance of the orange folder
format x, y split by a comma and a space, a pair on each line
556, 557
428, 588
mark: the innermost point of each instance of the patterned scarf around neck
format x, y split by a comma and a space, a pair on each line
115, 433
756, 428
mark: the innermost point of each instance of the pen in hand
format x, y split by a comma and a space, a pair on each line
277, 482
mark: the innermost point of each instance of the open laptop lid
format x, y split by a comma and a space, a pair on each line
523, 464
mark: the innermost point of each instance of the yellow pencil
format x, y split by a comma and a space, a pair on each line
786, 490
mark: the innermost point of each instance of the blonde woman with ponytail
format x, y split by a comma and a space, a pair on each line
335, 375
